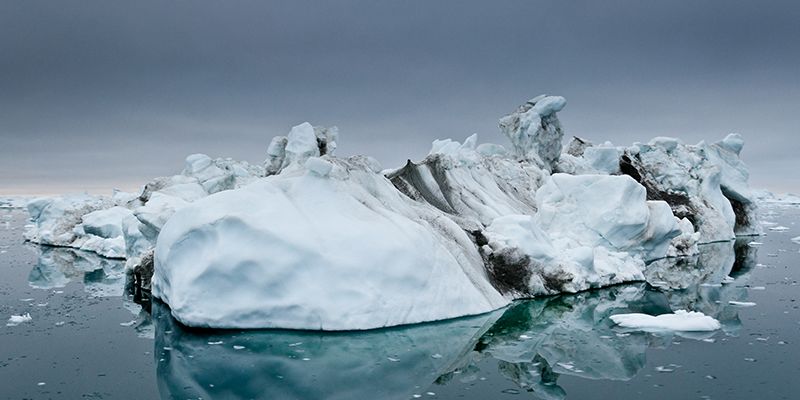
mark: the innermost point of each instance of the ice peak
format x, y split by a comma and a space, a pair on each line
303, 142
535, 131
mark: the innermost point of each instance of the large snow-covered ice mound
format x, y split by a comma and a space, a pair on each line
312, 241
344, 251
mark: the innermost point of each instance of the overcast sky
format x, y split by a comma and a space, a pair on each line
103, 94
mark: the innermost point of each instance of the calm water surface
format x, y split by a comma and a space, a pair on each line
91, 338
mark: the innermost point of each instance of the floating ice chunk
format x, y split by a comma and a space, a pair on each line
741, 303
681, 320
779, 228
15, 320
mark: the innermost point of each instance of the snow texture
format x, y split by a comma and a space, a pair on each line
681, 320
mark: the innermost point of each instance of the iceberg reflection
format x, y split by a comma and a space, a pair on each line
387, 364
58, 266
532, 343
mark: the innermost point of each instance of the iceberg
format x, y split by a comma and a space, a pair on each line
309, 240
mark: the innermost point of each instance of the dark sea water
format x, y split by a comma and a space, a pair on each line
91, 338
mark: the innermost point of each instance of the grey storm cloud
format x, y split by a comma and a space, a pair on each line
102, 94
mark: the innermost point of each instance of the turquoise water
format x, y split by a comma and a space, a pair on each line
90, 337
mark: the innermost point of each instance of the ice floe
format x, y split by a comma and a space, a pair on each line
681, 320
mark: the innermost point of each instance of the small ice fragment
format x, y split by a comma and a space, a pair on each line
40, 384
215, 343
741, 303
524, 337
728, 279
437, 355
754, 243
42, 304
295, 344
129, 323
709, 340
27, 300
393, 359
237, 347
167, 348
416, 396
757, 288
60, 323
662, 368
681, 320
565, 365
15, 320
430, 393
748, 359
781, 342
779, 228
711, 377
762, 339
306, 359
58, 291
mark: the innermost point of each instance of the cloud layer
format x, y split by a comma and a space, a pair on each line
97, 94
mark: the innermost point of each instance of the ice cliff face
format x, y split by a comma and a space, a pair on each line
313, 241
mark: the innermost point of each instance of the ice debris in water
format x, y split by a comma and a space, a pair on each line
15, 320
741, 303
681, 320
779, 228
